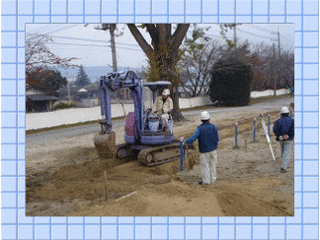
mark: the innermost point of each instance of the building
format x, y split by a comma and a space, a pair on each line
36, 101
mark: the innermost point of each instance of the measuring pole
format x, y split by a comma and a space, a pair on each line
279, 58
254, 129
236, 134
181, 156
267, 136
269, 125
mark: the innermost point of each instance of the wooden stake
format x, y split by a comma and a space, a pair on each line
105, 185
245, 144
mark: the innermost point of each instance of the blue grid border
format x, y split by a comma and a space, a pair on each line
305, 16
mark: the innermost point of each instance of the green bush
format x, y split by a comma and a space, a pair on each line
230, 83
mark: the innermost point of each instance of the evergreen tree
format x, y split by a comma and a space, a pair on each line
230, 83
82, 78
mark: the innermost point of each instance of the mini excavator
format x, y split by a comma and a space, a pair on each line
144, 136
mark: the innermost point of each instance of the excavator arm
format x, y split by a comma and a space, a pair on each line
105, 140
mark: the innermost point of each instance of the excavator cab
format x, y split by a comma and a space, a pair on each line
153, 121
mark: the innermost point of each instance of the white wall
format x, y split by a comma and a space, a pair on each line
282, 92
184, 103
77, 115
256, 94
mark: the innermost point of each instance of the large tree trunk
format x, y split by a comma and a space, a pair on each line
162, 53
176, 112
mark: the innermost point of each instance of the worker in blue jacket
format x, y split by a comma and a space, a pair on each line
208, 138
284, 130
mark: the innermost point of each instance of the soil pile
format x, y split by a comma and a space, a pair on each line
67, 178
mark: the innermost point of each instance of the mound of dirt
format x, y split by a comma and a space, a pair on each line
173, 198
67, 178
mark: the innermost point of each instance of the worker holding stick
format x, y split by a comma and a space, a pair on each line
208, 138
284, 131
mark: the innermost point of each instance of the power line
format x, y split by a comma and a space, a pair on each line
94, 45
257, 35
46, 27
59, 30
38, 29
130, 49
262, 29
129, 44
86, 39
79, 44
73, 38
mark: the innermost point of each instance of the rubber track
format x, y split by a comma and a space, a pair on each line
118, 147
143, 154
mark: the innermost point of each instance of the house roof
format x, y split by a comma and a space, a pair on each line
40, 97
82, 90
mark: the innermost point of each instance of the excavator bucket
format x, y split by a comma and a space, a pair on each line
105, 144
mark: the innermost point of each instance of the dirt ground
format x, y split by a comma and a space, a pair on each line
65, 177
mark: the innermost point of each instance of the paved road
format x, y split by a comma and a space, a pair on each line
92, 128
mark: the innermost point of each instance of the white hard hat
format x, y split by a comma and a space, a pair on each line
205, 115
284, 110
166, 92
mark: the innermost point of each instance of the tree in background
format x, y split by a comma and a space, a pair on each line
163, 55
270, 71
224, 28
39, 60
46, 81
82, 79
286, 70
38, 55
230, 82
198, 55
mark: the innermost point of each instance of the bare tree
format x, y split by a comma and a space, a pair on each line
196, 68
163, 55
265, 64
38, 55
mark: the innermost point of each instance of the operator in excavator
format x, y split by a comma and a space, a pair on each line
162, 106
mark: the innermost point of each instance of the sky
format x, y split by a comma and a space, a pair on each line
92, 46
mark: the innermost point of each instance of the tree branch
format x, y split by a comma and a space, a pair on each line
147, 49
151, 28
179, 35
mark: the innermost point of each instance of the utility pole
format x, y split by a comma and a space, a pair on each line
279, 58
235, 40
69, 98
235, 35
111, 28
273, 72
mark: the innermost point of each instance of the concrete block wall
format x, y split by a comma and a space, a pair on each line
126, 109
77, 115
117, 110
256, 94
61, 117
195, 102
282, 91
184, 103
